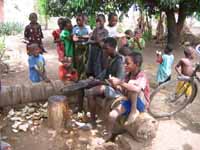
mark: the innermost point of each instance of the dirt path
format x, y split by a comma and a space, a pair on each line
179, 133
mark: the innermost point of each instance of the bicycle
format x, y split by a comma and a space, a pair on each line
173, 96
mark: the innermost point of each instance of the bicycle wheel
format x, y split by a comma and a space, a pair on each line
171, 97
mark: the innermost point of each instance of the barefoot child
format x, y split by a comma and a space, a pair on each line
135, 88
80, 37
56, 36
36, 62
33, 33
66, 38
185, 68
66, 70
165, 65
96, 58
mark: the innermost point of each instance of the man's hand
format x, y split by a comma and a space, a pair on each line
114, 81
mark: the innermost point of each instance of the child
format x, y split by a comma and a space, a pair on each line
36, 62
112, 25
165, 65
66, 38
129, 35
137, 43
115, 68
80, 36
185, 68
56, 36
135, 87
33, 33
66, 71
96, 58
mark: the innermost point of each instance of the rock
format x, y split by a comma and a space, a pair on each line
144, 128
126, 142
105, 146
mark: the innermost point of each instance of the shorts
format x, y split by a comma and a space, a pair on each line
111, 93
181, 87
127, 106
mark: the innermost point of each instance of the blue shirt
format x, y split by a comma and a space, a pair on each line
80, 31
165, 68
38, 62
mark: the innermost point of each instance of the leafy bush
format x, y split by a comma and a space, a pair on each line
10, 28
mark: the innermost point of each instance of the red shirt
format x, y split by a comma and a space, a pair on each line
73, 76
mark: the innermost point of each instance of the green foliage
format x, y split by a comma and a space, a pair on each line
43, 7
10, 28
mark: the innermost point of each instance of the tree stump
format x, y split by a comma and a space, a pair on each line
144, 128
58, 112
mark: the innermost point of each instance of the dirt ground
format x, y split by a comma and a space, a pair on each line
181, 132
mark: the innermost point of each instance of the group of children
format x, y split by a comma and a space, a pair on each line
101, 60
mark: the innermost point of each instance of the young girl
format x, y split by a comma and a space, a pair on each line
112, 25
80, 36
66, 38
165, 65
56, 36
33, 33
66, 71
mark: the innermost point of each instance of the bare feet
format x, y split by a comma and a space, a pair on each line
131, 118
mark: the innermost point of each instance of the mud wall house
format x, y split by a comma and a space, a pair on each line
16, 10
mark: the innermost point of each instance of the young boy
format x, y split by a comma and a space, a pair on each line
36, 62
80, 36
66, 71
96, 58
33, 33
115, 68
66, 38
185, 68
137, 43
135, 87
56, 36
165, 65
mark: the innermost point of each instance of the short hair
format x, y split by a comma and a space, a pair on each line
32, 15
110, 15
136, 58
111, 41
188, 51
125, 50
169, 48
101, 16
128, 31
33, 46
81, 15
65, 21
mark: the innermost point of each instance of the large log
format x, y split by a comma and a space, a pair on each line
24, 93
36, 92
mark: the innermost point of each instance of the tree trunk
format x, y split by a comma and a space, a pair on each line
175, 28
46, 22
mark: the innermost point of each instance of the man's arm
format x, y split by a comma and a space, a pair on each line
177, 67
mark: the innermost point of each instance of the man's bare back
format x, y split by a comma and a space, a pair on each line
186, 67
